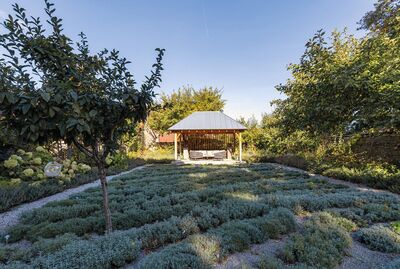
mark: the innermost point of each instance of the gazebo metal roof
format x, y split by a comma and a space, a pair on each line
207, 120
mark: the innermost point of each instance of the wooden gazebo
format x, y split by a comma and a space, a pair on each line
207, 135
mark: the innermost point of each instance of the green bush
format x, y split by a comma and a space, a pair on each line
13, 195
106, 252
16, 265
201, 251
395, 226
179, 256
9, 254
325, 218
321, 244
46, 246
171, 231
373, 175
232, 208
380, 238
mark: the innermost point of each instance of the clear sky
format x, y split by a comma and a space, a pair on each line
240, 46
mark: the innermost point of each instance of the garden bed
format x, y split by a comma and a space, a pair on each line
196, 217
23, 192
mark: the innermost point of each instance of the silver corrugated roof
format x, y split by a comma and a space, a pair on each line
207, 120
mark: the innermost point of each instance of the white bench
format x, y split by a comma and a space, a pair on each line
204, 154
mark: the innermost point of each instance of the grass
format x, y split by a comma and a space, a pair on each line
196, 216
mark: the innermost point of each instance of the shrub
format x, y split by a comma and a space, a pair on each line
321, 244
106, 252
373, 175
173, 230
325, 218
16, 265
46, 246
395, 226
179, 256
380, 238
201, 251
9, 254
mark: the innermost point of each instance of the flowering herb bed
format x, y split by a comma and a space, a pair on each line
194, 217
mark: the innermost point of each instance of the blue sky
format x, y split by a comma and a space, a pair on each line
242, 47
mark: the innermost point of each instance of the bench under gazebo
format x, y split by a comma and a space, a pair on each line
207, 135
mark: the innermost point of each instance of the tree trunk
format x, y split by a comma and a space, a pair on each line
106, 204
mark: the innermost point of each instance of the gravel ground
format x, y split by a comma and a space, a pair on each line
361, 257
250, 258
11, 217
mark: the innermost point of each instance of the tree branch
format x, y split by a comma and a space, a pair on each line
82, 148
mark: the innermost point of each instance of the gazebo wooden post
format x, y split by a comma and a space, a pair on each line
240, 147
176, 145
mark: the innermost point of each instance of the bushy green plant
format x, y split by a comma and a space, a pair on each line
46, 246
320, 244
325, 218
380, 238
106, 252
373, 174
395, 226
179, 256
10, 254
16, 265
216, 244
232, 208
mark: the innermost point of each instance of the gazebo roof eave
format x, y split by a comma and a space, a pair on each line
206, 130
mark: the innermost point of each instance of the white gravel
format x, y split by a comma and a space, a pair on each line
361, 257
11, 217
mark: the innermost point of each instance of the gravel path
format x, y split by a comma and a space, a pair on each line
11, 217
361, 257
250, 258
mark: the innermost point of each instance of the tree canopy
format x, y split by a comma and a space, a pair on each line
181, 103
345, 83
51, 89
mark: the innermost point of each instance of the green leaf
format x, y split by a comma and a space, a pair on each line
45, 96
51, 112
10, 98
24, 129
92, 113
2, 96
25, 108
74, 95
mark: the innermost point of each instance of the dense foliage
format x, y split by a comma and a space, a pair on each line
321, 244
181, 103
343, 91
199, 216
52, 90
380, 238
347, 83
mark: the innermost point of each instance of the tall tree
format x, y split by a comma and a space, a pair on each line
51, 90
183, 102
379, 62
322, 94
348, 83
